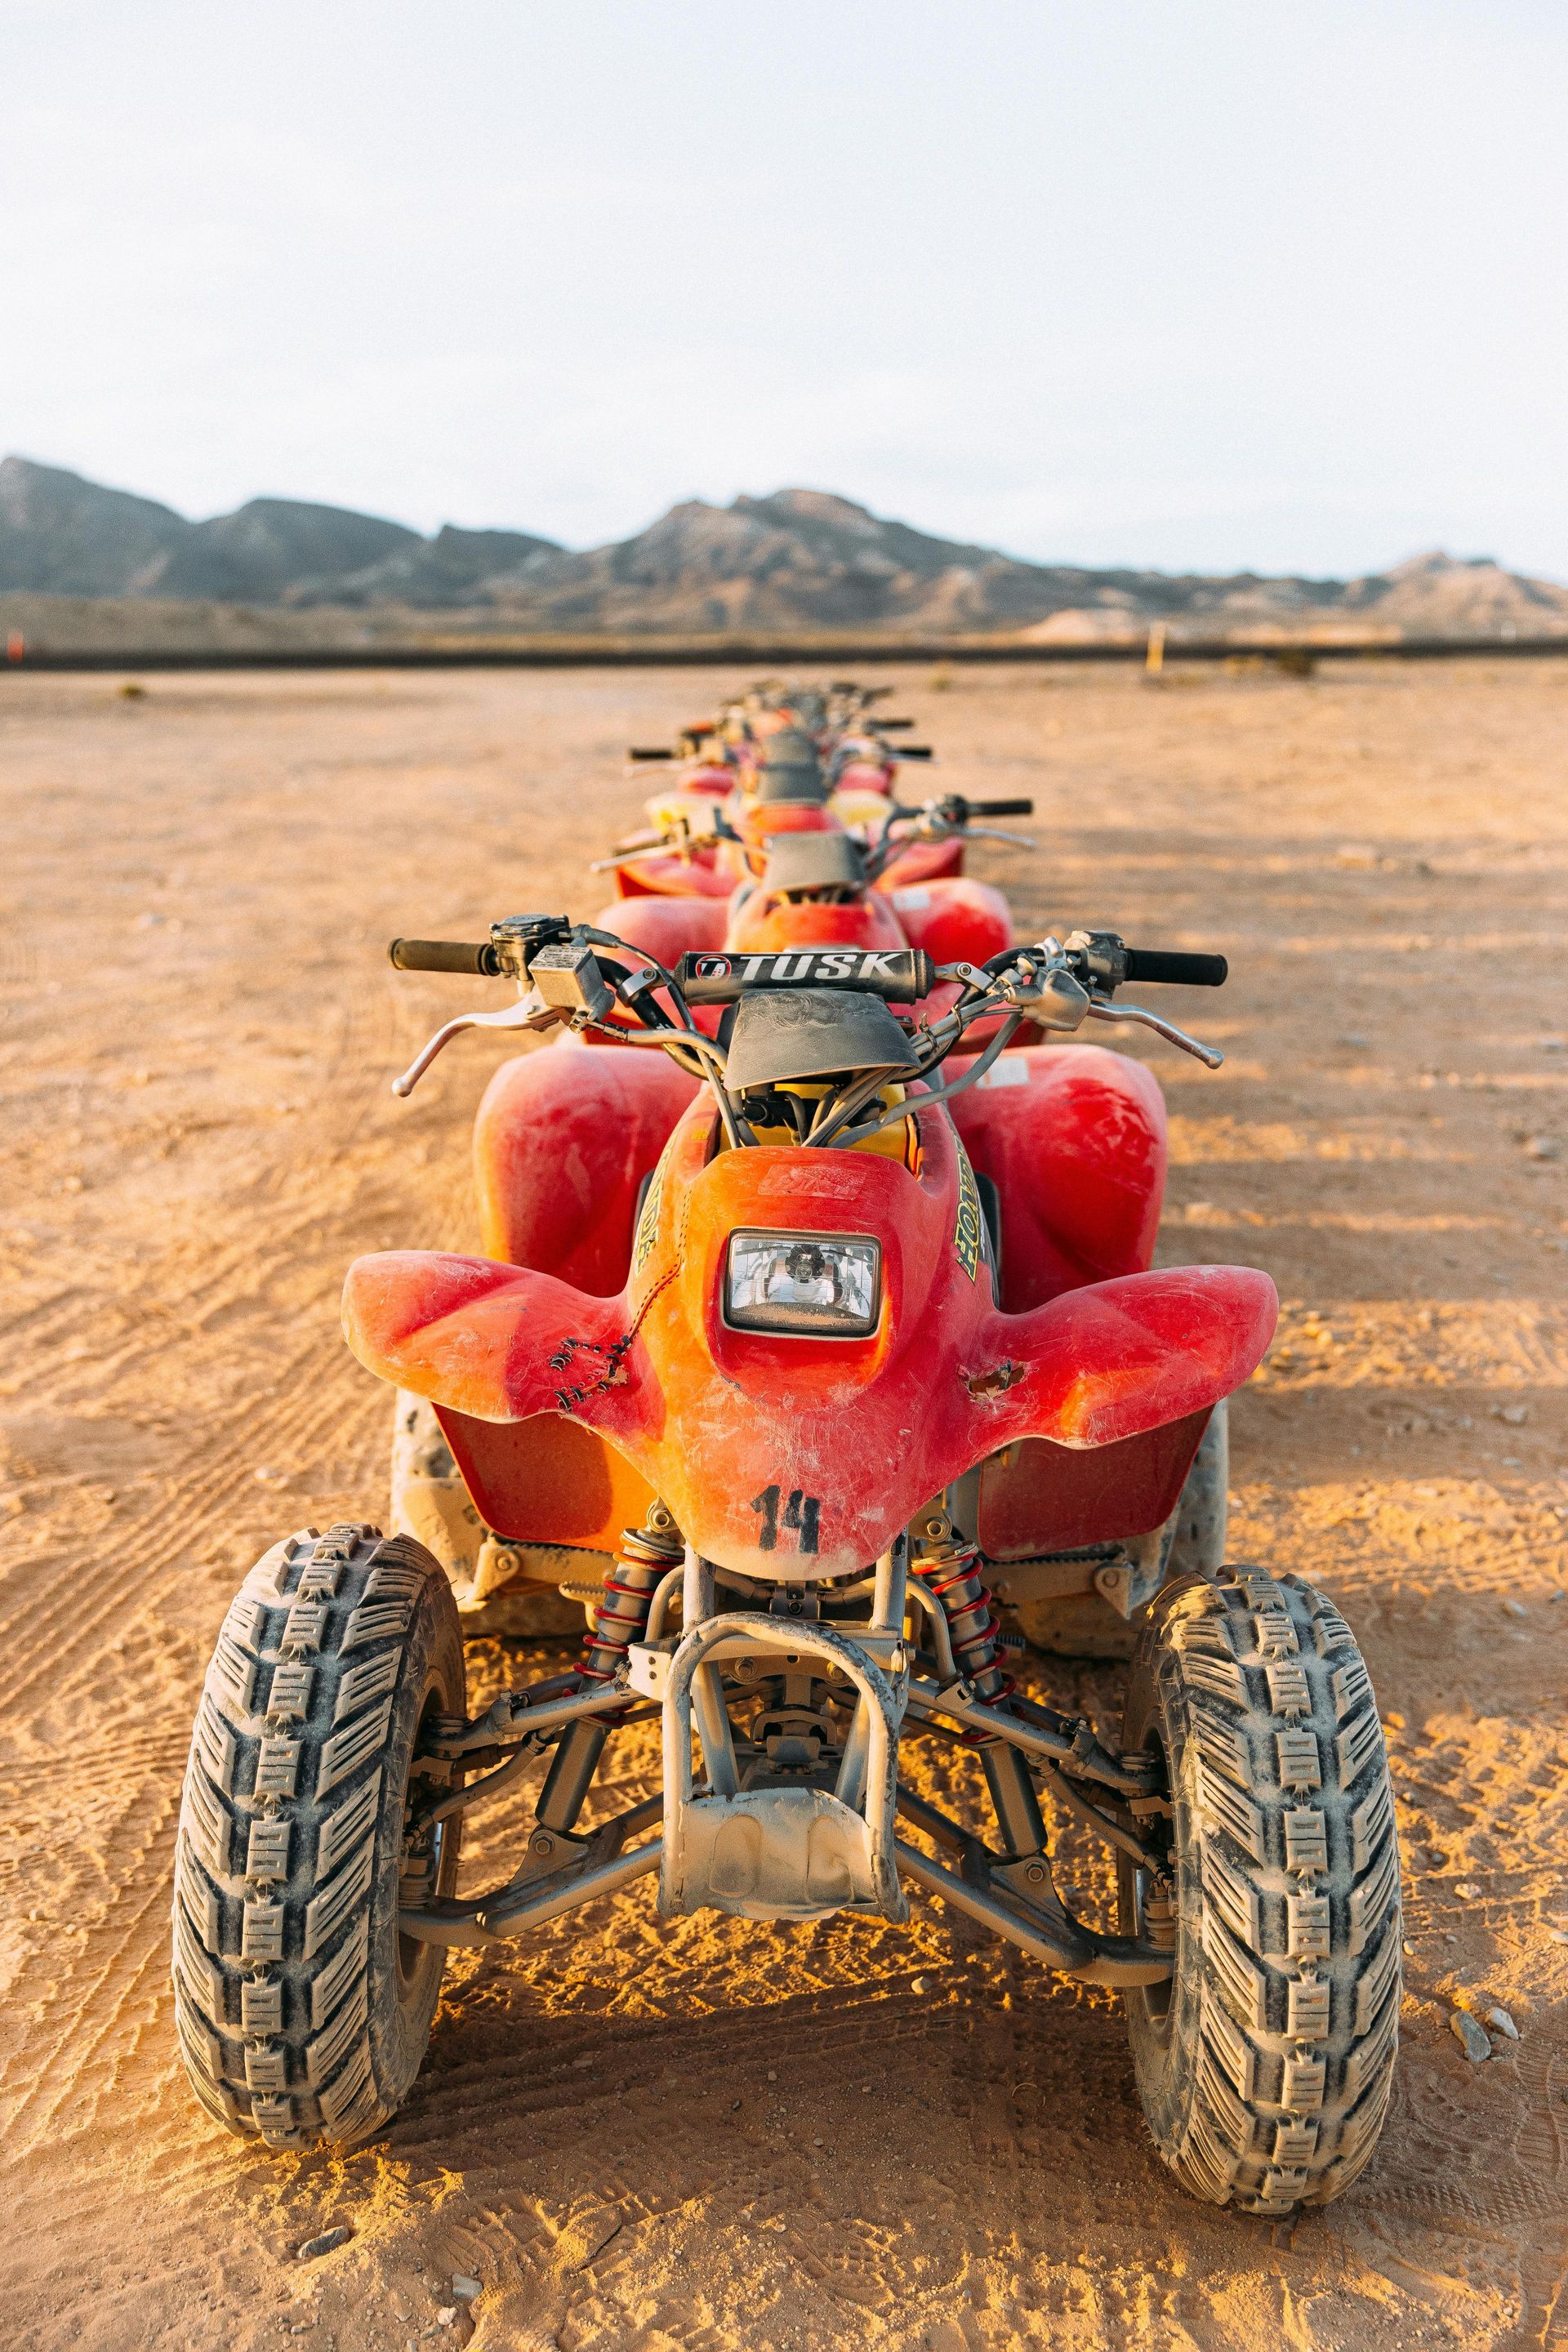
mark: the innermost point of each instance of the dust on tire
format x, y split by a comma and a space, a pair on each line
1265, 2067
303, 2015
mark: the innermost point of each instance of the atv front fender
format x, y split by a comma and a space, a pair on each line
1116, 1358
500, 1344
564, 1140
956, 920
696, 876
667, 929
497, 1343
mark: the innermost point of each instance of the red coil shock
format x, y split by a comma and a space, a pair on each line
646, 1554
949, 1569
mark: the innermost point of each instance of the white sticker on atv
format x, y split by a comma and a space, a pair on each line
1010, 1071
912, 899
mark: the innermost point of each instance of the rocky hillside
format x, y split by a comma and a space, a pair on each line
63, 536
799, 561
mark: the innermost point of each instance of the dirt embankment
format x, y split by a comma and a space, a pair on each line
702, 2134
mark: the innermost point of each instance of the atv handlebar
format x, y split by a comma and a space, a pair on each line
1105, 961
561, 978
473, 956
1176, 970
949, 818
965, 808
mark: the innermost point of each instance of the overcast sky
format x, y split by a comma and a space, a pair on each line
1206, 283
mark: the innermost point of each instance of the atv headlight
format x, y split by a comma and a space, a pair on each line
823, 1285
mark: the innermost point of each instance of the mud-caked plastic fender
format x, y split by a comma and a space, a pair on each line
1074, 1138
471, 1334
667, 929
1118, 1358
795, 1457
703, 875
767, 925
563, 1140
924, 861
956, 920
731, 1455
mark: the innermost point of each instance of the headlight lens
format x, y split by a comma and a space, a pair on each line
827, 1285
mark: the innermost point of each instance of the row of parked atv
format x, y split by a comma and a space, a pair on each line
781, 826
816, 1291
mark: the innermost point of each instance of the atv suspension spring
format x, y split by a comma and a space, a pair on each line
949, 1569
646, 1554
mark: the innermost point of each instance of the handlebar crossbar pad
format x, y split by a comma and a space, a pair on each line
1176, 970
901, 975
444, 955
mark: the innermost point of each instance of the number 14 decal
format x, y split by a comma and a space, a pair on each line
801, 1514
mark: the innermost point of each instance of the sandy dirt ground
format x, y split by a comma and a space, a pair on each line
704, 2134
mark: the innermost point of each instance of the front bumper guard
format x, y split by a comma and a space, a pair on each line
789, 1853
796, 1852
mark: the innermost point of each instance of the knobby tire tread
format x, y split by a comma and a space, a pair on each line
1270, 2084
294, 2020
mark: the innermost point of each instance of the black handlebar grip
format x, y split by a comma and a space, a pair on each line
912, 750
1176, 970
472, 956
650, 752
1001, 808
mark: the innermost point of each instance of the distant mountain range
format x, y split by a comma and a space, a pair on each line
799, 561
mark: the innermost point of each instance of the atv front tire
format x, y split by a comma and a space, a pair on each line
303, 2014
1265, 2064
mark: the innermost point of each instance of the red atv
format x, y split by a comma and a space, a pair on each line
803, 879
839, 722
806, 1320
712, 830
816, 885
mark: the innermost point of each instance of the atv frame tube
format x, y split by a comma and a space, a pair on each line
563, 1871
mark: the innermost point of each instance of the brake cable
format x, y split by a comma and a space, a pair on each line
837, 1138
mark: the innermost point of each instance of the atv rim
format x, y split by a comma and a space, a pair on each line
1153, 1926
412, 1954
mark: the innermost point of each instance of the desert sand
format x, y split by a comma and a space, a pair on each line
701, 2133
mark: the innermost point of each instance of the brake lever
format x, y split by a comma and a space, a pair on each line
530, 1012
675, 844
625, 857
1047, 994
1209, 1056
